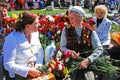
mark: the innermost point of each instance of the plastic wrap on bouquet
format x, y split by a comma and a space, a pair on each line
49, 51
45, 77
116, 36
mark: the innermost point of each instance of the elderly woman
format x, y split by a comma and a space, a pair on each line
77, 39
23, 52
103, 25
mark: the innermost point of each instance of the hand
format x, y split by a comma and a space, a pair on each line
33, 72
74, 55
84, 64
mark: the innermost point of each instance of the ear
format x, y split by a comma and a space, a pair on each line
27, 26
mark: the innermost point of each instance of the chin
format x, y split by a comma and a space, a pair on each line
100, 17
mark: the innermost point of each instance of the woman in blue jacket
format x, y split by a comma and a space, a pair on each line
103, 25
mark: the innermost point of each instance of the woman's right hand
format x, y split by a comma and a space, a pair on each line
33, 72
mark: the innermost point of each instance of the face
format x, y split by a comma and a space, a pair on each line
3, 13
75, 19
34, 26
100, 14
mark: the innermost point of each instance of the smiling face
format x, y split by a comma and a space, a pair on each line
100, 14
100, 11
75, 19
33, 27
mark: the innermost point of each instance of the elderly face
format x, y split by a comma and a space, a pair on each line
100, 14
75, 19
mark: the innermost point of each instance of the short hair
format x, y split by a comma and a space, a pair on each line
24, 19
101, 8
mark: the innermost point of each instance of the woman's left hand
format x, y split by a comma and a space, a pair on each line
33, 72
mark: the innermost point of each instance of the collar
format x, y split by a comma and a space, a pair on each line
35, 39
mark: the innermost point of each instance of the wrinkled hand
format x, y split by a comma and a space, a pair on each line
33, 72
84, 64
74, 55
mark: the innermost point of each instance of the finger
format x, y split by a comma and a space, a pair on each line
72, 54
79, 67
78, 54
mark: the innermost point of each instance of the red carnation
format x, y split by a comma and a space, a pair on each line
8, 30
92, 22
40, 29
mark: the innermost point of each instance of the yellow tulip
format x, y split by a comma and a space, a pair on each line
65, 71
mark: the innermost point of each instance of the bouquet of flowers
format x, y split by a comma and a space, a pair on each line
101, 66
55, 65
51, 28
8, 24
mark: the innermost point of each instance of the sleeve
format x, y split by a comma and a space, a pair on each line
63, 41
98, 49
10, 52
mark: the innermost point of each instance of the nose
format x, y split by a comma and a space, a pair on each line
99, 13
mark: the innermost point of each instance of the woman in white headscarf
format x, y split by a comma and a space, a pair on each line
77, 39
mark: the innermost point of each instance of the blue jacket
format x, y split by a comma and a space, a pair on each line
103, 31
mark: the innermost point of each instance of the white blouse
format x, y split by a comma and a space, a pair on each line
18, 52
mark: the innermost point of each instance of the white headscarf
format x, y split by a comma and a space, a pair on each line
78, 10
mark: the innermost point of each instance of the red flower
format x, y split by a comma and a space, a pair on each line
8, 30
4, 25
92, 22
58, 48
40, 29
61, 24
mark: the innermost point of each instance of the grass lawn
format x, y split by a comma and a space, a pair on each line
42, 11
115, 27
